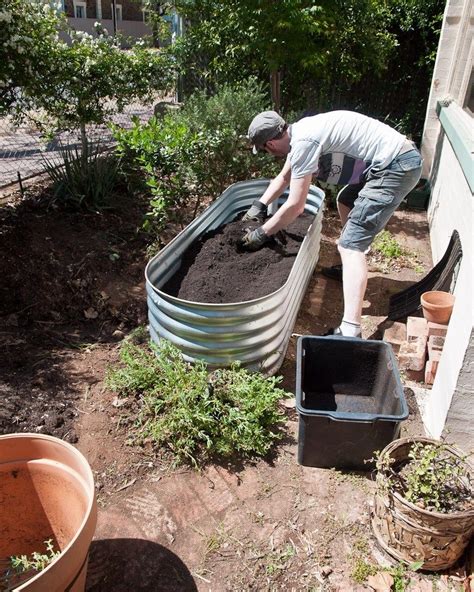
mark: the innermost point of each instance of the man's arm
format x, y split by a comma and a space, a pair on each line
278, 184
292, 208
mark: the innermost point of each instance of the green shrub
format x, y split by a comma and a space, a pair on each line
196, 414
165, 156
84, 180
222, 120
195, 152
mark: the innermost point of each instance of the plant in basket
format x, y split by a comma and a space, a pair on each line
424, 509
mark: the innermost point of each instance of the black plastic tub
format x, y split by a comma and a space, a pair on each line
350, 401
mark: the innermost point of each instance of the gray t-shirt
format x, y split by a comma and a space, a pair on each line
340, 147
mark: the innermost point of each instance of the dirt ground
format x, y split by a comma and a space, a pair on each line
72, 289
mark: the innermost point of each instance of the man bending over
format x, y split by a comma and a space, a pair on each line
378, 165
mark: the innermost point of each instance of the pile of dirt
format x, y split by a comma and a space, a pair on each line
215, 269
70, 280
57, 265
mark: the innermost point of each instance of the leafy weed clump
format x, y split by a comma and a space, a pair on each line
361, 570
432, 478
21, 568
436, 479
389, 255
196, 414
386, 244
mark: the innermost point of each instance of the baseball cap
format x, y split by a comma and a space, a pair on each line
264, 127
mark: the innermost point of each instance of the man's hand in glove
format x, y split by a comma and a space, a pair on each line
257, 212
253, 239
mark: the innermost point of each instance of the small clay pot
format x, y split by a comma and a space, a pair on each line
437, 306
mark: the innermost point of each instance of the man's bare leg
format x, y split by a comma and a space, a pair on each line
354, 277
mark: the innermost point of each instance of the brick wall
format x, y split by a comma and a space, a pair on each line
131, 11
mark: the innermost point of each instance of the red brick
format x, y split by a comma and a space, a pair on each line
435, 343
415, 375
435, 356
412, 355
395, 335
430, 371
437, 329
417, 327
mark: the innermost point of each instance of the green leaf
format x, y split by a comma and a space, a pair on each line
416, 565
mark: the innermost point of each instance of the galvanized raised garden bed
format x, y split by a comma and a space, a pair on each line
255, 332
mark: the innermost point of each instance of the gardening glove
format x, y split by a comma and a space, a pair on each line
257, 212
253, 239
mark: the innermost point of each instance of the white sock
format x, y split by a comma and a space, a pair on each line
350, 329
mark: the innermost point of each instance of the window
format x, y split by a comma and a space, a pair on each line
468, 104
80, 10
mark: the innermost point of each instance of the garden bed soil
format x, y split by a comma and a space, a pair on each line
72, 289
215, 269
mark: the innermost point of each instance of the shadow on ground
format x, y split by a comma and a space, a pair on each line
379, 290
123, 565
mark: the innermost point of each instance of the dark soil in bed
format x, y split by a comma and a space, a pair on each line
217, 270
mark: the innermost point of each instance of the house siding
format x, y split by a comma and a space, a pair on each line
451, 208
447, 153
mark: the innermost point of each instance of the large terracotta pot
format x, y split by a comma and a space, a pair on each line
47, 492
410, 533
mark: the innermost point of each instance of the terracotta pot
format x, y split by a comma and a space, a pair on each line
47, 492
410, 533
437, 306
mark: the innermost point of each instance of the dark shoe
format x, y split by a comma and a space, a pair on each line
334, 272
337, 331
334, 331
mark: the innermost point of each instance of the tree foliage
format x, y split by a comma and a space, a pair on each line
303, 39
72, 83
416, 25
374, 56
195, 152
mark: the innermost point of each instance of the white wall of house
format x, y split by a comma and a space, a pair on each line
450, 405
451, 208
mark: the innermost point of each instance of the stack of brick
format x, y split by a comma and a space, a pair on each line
418, 345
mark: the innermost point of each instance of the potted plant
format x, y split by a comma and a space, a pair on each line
424, 511
48, 514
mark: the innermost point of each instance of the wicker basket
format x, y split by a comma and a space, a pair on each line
410, 534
